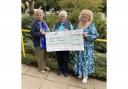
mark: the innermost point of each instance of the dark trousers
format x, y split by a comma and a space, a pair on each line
62, 58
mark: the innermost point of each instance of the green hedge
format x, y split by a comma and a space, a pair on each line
26, 21
100, 47
100, 64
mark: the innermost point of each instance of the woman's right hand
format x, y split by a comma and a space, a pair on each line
65, 29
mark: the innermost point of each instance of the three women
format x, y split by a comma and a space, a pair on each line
84, 60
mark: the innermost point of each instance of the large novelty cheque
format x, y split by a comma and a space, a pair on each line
65, 41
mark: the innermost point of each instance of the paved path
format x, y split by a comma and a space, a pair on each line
32, 79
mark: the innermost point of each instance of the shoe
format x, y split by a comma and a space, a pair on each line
79, 76
65, 75
84, 80
43, 71
59, 73
75, 74
47, 68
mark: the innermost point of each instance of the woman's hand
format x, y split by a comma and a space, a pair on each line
43, 32
65, 29
85, 34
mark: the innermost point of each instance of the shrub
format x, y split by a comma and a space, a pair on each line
29, 59
100, 47
26, 21
29, 47
51, 19
100, 65
100, 23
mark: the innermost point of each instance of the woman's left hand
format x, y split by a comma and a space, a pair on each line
85, 34
43, 32
65, 29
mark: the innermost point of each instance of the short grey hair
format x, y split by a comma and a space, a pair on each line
63, 12
37, 12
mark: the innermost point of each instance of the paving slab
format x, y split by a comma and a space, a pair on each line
100, 84
25, 68
74, 81
34, 72
72, 87
54, 77
53, 85
29, 82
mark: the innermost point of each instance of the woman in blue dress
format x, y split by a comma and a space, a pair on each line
84, 60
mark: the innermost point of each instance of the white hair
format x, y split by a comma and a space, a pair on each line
38, 11
63, 12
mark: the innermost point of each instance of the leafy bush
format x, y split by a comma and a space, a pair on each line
70, 5
26, 21
29, 59
39, 3
100, 23
100, 47
51, 20
29, 47
100, 65
49, 4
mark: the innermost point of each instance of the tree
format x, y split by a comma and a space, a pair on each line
47, 4
74, 7
31, 5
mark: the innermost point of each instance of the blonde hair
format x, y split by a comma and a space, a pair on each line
88, 12
63, 12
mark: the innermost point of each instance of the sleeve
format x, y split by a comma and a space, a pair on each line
92, 35
33, 31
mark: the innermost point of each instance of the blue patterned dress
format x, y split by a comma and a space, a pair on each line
84, 60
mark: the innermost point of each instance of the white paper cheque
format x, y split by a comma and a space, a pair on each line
65, 41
